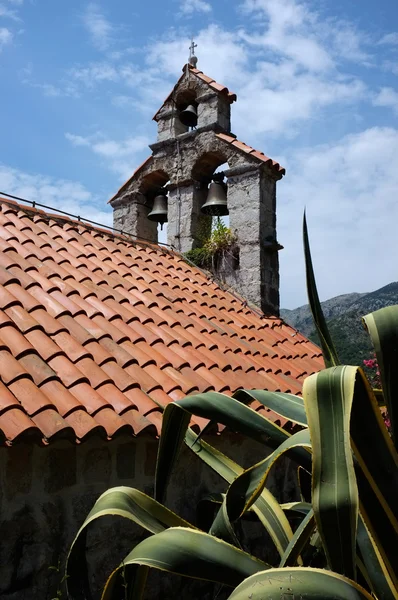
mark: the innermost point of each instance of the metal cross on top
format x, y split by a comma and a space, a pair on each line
192, 48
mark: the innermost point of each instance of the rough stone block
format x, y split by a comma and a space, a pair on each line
125, 460
61, 469
151, 449
18, 471
97, 465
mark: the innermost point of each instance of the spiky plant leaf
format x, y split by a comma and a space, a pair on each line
328, 349
328, 397
183, 552
218, 408
300, 582
124, 502
382, 326
299, 540
265, 507
375, 569
250, 485
286, 405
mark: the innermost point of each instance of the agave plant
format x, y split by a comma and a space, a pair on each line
351, 522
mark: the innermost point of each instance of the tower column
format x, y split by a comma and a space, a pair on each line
253, 269
187, 226
131, 215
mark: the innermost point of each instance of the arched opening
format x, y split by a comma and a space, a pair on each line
207, 165
186, 101
207, 170
152, 186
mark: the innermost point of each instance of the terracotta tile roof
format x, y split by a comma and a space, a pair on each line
212, 83
230, 139
98, 333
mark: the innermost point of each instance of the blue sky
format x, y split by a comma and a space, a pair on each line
317, 90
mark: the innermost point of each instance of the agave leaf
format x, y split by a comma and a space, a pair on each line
376, 471
299, 582
305, 483
270, 514
301, 508
328, 399
375, 568
382, 326
266, 506
299, 540
183, 552
247, 488
174, 426
215, 407
216, 460
286, 405
328, 349
124, 502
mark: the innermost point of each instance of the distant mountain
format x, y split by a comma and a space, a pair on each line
343, 315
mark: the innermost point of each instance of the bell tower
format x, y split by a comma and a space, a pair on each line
178, 183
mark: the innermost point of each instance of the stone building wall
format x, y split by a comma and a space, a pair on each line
46, 493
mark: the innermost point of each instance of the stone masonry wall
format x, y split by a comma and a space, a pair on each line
252, 218
46, 493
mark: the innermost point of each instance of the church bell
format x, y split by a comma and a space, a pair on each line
189, 116
216, 202
159, 210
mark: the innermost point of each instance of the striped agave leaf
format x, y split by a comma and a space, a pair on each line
299, 540
265, 507
247, 488
183, 552
382, 326
286, 405
301, 508
215, 407
377, 472
328, 349
328, 397
124, 502
375, 569
299, 582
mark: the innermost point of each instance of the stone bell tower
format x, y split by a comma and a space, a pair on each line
182, 165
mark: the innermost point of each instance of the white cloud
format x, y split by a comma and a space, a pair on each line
189, 7
390, 39
274, 94
49, 90
303, 35
77, 140
98, 27
349, 190
290, 32
63, 194
8, 13
118, 156
287, 67
6, 37
387, 97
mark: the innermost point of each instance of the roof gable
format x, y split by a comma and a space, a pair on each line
98, 333
212, 83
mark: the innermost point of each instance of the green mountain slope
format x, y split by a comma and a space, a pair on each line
343, 315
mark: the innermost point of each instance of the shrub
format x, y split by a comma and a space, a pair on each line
209, 255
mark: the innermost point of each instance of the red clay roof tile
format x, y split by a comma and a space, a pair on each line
30, 397
118, 329
53, 426
275, 166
